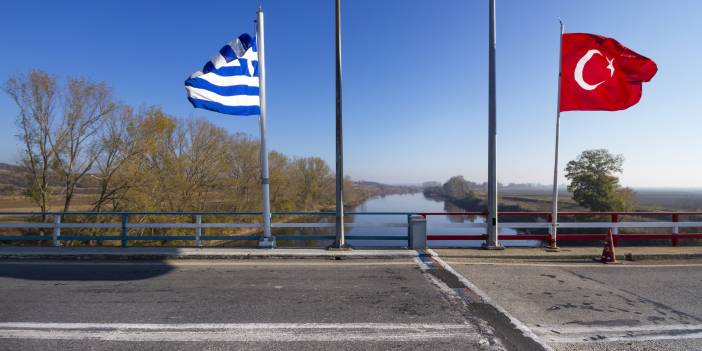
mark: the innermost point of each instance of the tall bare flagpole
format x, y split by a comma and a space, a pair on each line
492, 220
267, 240
340, 241
554, 214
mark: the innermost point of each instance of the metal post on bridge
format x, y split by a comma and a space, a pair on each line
198, 230
417, 239
676, 228
56, 235
125, 230
615, 229
267, 239
340, 241
492, 220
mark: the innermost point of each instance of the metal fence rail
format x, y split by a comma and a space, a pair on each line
543, 221
124, 225
122, 222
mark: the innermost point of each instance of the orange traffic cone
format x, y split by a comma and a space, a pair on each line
608, 254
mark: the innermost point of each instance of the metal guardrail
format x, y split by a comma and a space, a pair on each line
614, 224
197, 225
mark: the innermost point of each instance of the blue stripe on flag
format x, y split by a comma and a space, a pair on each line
230, 110
209, 66
247, 41
228, 53
224, 91
229, 71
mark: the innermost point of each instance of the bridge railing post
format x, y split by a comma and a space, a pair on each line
676, 228
125, 230
417, 232
56, 235
198, 230
615, 229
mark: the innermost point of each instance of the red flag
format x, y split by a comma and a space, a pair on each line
599, 74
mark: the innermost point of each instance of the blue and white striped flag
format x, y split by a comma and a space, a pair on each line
229, 82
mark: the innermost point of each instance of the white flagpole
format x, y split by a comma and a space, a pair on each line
492, 220
554, 214
267, 240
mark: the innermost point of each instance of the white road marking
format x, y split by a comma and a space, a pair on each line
583, 334
526, 331
245, 332
422, 265
570, 264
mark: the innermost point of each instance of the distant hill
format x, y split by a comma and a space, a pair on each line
12, 181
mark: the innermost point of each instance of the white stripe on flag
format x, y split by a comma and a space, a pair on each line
236, 100
227, 81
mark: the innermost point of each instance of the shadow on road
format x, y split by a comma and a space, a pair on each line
84, 270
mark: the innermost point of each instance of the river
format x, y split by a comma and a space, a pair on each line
435, 224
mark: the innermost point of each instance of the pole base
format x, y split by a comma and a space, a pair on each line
266, 243
492, 247
552, 248
335, 247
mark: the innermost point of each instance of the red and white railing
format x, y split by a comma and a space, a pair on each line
668, 225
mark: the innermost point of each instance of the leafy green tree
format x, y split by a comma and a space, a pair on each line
594, 182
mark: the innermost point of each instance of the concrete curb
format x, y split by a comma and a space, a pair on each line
195, 254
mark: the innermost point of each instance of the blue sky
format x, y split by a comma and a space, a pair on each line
415, 78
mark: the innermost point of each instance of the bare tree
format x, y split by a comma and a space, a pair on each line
118, 148
205, 161
35, 95
77, 143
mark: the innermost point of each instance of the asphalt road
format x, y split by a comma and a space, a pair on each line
251, 305
653, 305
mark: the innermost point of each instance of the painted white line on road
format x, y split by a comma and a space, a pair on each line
568, 264
526, 331
582, 334
422, 265
604, 329
245, 332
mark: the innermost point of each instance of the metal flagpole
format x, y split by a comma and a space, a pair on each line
340, 241
554, 214
267, 240
491, 220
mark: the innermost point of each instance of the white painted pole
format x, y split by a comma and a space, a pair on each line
267, 239
492, 220
554, 213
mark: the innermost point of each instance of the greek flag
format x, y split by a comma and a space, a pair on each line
229, 82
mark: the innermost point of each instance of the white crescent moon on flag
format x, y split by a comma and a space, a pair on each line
581, 65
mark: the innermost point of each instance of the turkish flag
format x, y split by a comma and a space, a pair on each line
599, 74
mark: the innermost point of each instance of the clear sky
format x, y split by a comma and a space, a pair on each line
415, 78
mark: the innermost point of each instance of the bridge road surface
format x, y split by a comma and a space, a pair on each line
244, 305
648, 305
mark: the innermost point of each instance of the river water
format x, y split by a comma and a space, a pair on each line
435, 224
